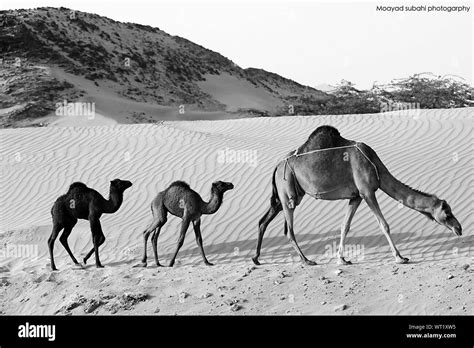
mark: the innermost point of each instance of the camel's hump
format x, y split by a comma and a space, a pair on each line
77, 185
326, 130
180, 183
323, 137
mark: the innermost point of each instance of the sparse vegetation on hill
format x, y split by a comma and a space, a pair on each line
29, 92
139, 62
417, 91
431, 92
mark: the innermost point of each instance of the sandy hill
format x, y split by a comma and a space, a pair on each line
46, 50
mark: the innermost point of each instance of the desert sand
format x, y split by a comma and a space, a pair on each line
430, 151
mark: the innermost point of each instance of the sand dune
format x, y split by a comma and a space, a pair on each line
431, 152
111, 107
236, 93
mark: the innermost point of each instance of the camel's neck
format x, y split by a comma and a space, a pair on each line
417, 200
114, 202
214, 203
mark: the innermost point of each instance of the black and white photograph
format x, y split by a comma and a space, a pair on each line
236, 158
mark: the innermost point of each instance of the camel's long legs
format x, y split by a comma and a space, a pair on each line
64, 236
157, 222
271, 213
154, 242
184, 228
291, 235
97, 237
346, 225
197, 232
374, 206
54, 234
146, 234
159, 219
89, 254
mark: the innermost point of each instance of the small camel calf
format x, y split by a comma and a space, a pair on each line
82, 202
181, 201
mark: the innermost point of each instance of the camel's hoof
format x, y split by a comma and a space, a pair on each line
171, 264
209, 263
85, 261
342, 261
401, 260
78, 265
310, 263
255, 261
54, 269
99, 266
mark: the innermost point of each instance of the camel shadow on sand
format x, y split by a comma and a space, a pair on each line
431, 247
277, 249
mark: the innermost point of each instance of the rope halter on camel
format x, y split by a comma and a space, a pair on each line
296, 154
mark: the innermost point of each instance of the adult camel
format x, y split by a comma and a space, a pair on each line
330, 167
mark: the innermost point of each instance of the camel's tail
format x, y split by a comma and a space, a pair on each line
274, 200
275, 203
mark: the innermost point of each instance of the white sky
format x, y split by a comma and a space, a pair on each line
311, 42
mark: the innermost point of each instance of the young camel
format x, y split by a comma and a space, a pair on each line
346, 170
181, 201
82, 202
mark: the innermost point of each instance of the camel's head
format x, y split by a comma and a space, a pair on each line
443, 215
222, 186
120, 185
